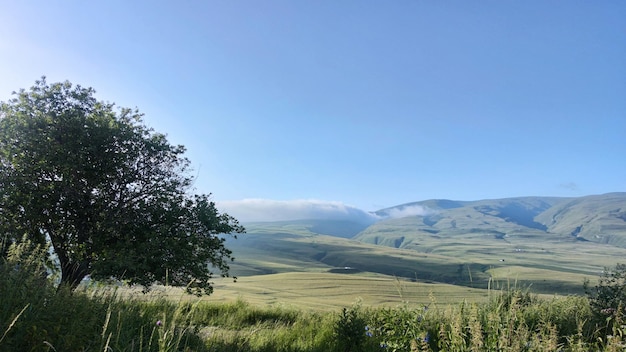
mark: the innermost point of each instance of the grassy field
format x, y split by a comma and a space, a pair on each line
329, 310
546, 265
322, 291
106, 320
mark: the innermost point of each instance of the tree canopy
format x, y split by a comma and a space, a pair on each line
113, 196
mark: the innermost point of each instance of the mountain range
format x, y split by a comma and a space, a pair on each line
551, 243
596, 218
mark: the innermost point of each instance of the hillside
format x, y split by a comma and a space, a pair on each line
541, 242
598, 218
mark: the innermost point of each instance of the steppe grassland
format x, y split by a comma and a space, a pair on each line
546, 267
330, 292
325, 292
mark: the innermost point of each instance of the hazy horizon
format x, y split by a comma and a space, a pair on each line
269, 210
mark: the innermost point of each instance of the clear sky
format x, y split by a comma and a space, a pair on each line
362, 103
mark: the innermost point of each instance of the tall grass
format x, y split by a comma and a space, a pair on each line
34, 316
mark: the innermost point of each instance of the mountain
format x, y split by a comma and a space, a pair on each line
549, 243
597, 218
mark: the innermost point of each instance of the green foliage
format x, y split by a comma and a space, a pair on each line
23, 287
610, 292
404, 327
112, 195
351, 329
511, 321
607, 300
34, 316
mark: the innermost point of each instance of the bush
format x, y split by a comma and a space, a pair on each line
404, 328
352, 332
610, 293
350, 329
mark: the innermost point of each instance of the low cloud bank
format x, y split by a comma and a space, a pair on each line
251, 210
411, 210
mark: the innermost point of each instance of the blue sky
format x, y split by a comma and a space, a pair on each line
367, 104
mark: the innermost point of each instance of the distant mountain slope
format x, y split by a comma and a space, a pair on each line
550, 243
331, 227
288, 246
599, 218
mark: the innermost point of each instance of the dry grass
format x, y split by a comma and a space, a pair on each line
321, 291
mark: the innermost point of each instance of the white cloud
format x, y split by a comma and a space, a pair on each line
249, 210
412, 210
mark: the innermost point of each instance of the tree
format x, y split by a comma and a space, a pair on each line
112, 195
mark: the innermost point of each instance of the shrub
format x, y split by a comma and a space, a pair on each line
405, 328
352, 332
610, 292
607, 300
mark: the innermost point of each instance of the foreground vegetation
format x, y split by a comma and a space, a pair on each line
35, 316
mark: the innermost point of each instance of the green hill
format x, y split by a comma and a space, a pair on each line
546, 243
600, 218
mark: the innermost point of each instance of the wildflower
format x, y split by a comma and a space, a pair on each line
427, 338
369, 334
383, 345
608, 311
159, 323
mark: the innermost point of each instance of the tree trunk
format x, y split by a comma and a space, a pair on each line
73, 273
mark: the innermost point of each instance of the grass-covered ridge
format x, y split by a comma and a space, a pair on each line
550, 267
451, 242
596, 218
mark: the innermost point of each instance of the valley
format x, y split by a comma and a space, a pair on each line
462, 248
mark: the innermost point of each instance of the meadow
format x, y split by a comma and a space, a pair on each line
547, 265
35, 316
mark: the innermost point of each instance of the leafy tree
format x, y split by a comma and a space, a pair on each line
111, 195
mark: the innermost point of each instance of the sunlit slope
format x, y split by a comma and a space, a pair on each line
496, 223
477, 261
468, 244
289, 248
598, 218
